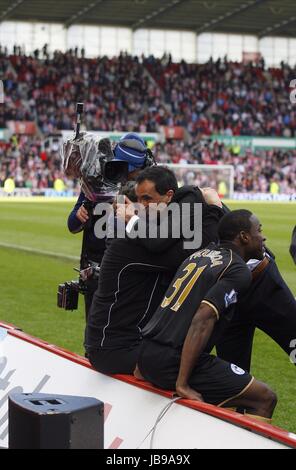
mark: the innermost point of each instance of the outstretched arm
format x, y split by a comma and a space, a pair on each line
78, 216
196, 340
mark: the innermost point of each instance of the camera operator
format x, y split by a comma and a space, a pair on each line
131, 149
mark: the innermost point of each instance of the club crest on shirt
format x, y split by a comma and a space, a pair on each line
237, 370
230, 298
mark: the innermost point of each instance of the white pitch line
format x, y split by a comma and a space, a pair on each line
38, 252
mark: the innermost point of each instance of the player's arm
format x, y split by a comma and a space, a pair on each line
196, 340
78, 217
224, 294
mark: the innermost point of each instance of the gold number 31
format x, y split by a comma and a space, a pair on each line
179, 283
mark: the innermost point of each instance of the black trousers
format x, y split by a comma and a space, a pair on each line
92, 285
270, 306
114, 361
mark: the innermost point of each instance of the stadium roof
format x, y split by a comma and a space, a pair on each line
257, 17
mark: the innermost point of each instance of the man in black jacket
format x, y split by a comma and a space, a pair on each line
151, 190
135, 274
268, 305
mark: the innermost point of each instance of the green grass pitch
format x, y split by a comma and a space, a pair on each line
29, 279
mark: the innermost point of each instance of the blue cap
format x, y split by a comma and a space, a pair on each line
131, 149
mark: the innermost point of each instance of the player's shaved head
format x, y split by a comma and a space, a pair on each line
233, 223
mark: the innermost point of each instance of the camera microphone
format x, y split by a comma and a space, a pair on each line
79, 112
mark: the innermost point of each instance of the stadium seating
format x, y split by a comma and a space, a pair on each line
142, 94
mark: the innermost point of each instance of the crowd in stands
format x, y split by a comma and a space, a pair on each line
126, 93
118, 93
214, 98
227, 98
257, 171
31, 166
24, 160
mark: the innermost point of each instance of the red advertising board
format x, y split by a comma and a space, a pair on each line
22, 127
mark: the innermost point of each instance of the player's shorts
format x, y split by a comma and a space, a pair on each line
218, 382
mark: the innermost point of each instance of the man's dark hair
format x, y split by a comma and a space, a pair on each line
163, 178
233, 223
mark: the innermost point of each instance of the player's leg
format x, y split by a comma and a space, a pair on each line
158, 364
114, 361
227, 385
258, 400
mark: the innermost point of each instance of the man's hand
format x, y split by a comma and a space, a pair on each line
125, 211
137, 373
82, 215
211, 197
185, 391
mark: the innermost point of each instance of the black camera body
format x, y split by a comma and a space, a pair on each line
68, 292
102, 175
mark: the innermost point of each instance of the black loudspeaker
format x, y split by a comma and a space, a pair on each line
41, 421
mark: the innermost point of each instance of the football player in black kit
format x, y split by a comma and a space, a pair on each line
201, 300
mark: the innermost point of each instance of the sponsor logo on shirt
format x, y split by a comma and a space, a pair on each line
230, 298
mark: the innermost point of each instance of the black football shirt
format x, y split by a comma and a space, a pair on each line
217, 276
